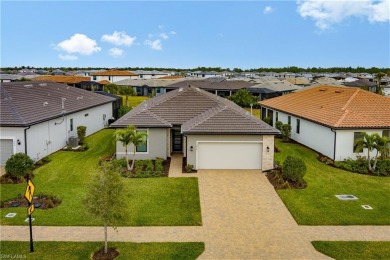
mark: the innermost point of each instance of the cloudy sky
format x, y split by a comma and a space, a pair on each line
188, 34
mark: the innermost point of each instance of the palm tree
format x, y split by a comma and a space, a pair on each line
367, 142
378, 78
137, 139
128, 136
371, 142
125, 136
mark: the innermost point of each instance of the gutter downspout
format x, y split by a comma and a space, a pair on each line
25, 139
334, 145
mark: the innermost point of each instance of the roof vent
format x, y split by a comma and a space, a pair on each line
28, 86
322, 89
45, 103
79, 98
63, 102
180, 89
42, 84
338, 91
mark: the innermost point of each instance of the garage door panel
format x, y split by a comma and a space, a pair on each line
229, 155
6, 150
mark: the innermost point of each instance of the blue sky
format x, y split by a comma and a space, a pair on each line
188, 34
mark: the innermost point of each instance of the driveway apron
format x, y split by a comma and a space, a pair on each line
244, 218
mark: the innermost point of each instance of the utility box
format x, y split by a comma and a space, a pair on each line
73, 141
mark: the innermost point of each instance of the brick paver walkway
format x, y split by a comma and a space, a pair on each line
243, 218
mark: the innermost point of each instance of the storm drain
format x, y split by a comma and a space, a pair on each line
366, 207
10, 215
347, 197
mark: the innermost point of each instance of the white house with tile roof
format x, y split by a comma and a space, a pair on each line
39, 118
329, 119
212, 132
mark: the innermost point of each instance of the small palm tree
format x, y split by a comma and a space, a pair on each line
125, 136
137, 139
378, 78
371, 142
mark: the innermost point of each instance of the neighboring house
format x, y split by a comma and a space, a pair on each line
363, 84
154, 74
272, 88
38, 118
212, 132
145, 87
219, 86
113, 75
204, 74
9, 77
329, 119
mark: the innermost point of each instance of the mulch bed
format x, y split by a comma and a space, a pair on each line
276, 179
42, 202
183, 166
7, 179
100, 255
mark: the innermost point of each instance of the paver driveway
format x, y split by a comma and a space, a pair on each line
244, 218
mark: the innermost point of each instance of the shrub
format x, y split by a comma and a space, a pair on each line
81, 132
149, 165
294, 169
159, 168
267, 120
279, 125
123, 110
189, 167
49, 203
46, 159
84, 147
19, 165
286, 132
383, 168
69, 148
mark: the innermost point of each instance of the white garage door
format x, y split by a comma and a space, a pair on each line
6, 150
229, 155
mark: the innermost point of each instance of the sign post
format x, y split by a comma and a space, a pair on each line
29, 197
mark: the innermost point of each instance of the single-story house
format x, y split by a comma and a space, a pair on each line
113, 75
38, 118
329, 119
145, 87
219, 86
211, 132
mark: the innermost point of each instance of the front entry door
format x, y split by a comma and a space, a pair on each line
177, 140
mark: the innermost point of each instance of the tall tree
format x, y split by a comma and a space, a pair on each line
378, 78
105, 197
243, 98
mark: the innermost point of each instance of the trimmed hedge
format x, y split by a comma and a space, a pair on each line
361, 166
294, 169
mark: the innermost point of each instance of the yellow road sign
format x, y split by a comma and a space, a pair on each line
29, 191
30, 209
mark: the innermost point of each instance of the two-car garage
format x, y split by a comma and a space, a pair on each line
229, 155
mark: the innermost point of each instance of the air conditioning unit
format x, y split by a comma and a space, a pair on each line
73, 141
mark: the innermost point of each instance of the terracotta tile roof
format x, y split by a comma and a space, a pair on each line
114, 73
62, 79
28, 103
336, 107
104, 82
198, 111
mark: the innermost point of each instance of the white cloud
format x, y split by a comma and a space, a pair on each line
79, 43
67, 57
116, 52
173, 32
325, 13
119, 38
155, 45
268, 10
164, 36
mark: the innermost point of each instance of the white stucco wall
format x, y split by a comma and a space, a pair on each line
315, 136
345, 142
156, 146
14, 134
50, 136
193, 139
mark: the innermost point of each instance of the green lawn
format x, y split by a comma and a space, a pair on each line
317, 204
85, 250
354, 249
133, 101
151, 202
255, 111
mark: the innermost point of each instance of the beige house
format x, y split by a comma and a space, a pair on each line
210, 131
